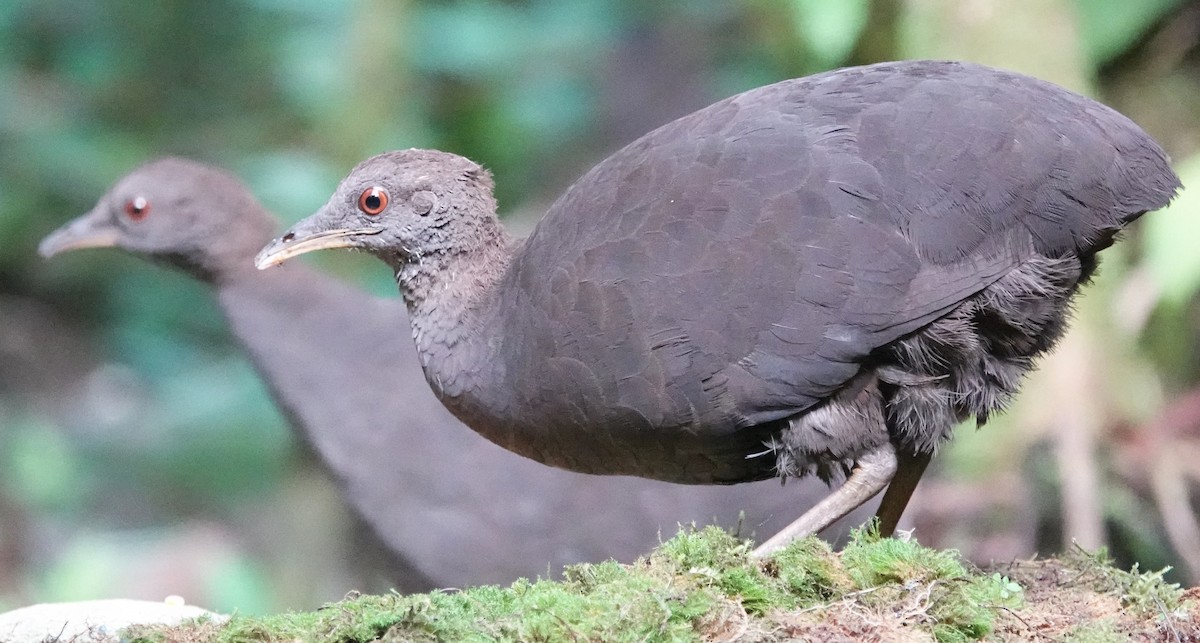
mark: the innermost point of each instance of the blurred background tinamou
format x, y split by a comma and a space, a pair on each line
141, 456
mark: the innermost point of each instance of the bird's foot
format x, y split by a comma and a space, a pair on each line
871, 474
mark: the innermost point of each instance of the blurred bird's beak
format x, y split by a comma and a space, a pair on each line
92, 230
306, 236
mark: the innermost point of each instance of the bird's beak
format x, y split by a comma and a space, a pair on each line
308, 235
92, 230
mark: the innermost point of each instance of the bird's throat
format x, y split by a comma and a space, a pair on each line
451, 300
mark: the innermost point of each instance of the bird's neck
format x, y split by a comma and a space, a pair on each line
231, 260
451, 294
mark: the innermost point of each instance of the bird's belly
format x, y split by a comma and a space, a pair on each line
967, 363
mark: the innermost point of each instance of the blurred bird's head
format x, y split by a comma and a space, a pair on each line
186, 214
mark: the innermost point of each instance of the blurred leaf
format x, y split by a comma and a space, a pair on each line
82, 572
470, 39
830, 29
309, 76
1172, 239
11, 10
188, 555
313, 9
551, 106
1034, 37
41, 467
578, 29
494, 39
977, 454
221, 410
238, 585
291, 184
211, 437
1109, 27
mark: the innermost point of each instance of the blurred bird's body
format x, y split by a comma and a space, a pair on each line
453, 508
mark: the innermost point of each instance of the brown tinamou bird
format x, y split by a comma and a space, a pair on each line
821, 276
454, 508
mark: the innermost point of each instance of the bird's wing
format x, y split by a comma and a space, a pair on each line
738, 265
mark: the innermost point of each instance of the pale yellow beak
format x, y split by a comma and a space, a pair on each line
297, 242
92, 230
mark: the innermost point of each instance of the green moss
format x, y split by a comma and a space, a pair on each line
1144, 592
961, 602
713, 558
871, 561
965, 608
689, 589
811, 572
624, 606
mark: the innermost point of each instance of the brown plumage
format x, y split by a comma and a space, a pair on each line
815, 275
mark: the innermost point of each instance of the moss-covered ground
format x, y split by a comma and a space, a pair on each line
703, 585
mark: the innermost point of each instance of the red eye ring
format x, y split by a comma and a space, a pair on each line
137, 208
373, 200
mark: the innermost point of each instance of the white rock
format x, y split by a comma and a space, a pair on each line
92, 621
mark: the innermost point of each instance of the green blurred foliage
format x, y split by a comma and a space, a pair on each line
1109, 28
831, 29
1170, 241
154, 418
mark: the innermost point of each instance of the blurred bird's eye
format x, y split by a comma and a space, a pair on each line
137, 208
373, 200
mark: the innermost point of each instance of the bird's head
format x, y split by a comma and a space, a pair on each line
399, 206
187, 214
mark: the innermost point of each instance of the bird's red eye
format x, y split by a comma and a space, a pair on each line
373, 200
137, 208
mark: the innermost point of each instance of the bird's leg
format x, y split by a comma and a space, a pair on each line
871, 474
909, 469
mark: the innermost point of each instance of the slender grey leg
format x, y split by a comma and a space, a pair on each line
871, 474
908, 473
